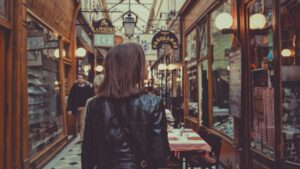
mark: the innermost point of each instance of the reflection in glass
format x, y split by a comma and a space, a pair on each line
221, 45
193, 88
203, 92
44, 109
261, 52
290, 40
3, 8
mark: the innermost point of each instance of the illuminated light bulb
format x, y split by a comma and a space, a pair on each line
171, 67
86, 68
286, 52
223, 21
80, 52
257, 21
99, 68
162, 67
56, 53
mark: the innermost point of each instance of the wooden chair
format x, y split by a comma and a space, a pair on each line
205, 159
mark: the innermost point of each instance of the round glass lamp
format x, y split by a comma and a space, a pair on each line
223, 21
286, 52
129, 25
162, 66
257, 21
80, 52
99, 68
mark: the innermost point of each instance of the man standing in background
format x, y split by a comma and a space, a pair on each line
79, 93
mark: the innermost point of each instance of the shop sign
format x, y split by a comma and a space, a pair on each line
235, 82
163, 37
36, 39
103, 26
104, 40
104, 33
52, 44
145, 40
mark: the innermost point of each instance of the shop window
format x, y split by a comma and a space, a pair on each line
203, 92
262, 84
191, 50
3, 8
221, 46
44, 108
66, 52
202, 40
290, 53
191, 56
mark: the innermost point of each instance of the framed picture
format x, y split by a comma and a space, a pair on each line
34, 58
36, 43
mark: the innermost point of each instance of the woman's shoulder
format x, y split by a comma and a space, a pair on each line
149, 100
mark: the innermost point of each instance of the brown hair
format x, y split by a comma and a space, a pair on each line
124, 71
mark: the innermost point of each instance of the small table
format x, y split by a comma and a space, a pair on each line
188, 141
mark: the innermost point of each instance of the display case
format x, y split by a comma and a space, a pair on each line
44, 103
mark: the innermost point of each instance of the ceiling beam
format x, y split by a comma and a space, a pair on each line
103, 5
151, 16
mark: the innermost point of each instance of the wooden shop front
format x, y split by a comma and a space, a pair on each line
37, 60
211, 72
264, 39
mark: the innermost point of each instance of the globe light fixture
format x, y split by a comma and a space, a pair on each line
80, 52
86, 68
99, 68
257, 21
223, 21
286, 52
129, 25
56, 53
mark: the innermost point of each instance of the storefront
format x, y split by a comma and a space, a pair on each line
272, 37
208, 53
260, 130
36, 51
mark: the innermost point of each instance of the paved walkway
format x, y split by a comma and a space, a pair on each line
69, 158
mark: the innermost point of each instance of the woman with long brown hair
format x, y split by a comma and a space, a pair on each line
125, 127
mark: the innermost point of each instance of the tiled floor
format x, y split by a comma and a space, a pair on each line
69, 158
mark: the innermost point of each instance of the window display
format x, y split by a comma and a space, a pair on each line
191, 55
262, 85
191, 50
203, 92
290, 53
202, 39
221, 46
193, 88
3, 8
44, 109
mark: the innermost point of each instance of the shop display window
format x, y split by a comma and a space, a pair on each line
290, 53
203, 92
191, 54
193, 88
202, 39
191, 45
262, 84
44, 108
3, 9
221, 46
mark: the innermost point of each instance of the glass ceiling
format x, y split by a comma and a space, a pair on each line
141, 8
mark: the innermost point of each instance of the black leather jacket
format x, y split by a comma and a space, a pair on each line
138, 133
